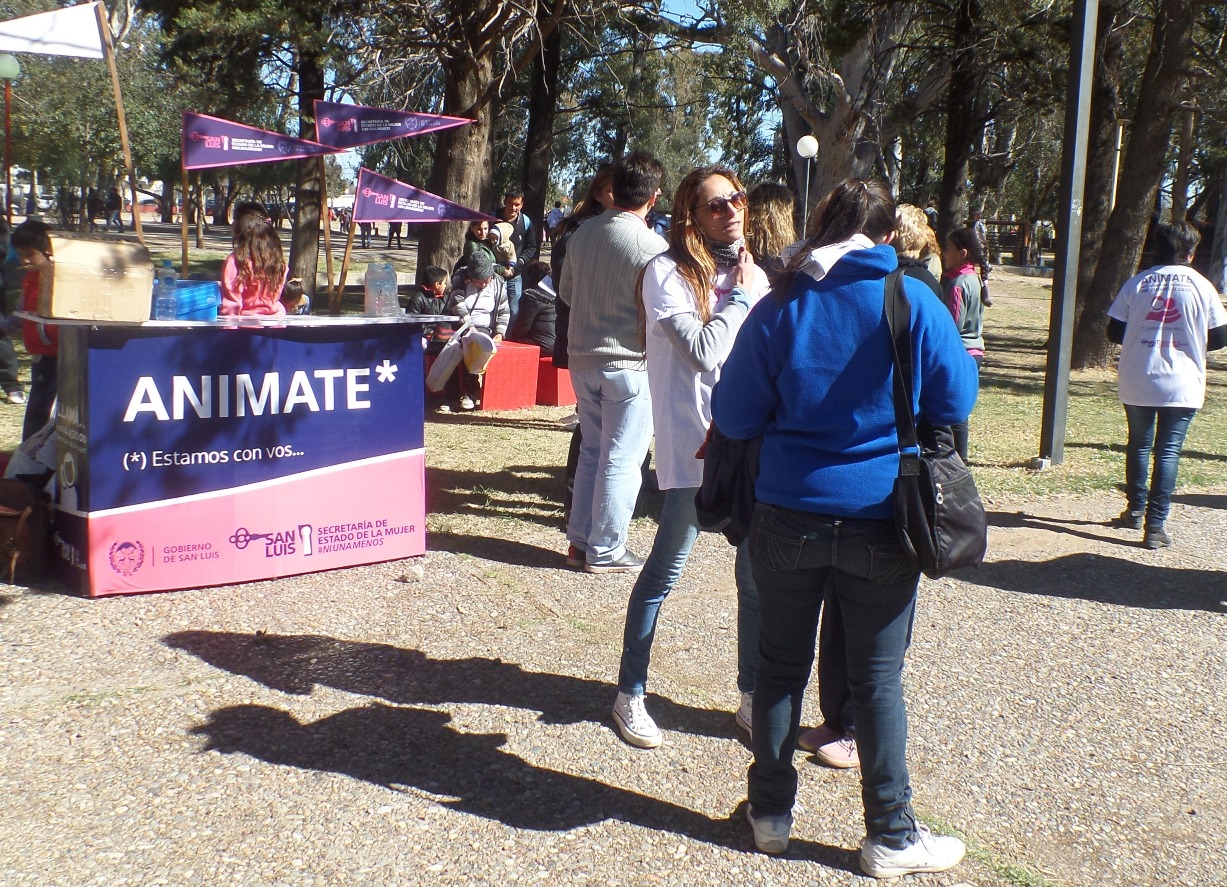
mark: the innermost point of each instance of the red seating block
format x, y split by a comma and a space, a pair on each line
554, 385
511, 377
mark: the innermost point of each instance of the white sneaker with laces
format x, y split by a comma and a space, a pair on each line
770, 832
634, 723
930, 853
745, 713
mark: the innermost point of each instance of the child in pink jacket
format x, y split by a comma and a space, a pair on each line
254, 274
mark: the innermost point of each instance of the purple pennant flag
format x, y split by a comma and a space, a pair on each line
347, 126
381, 199
211, 141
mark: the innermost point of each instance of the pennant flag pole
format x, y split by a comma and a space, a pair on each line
105, 30
326, 212
212, 141
334, 298
349, 126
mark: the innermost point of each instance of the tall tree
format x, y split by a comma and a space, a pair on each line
1162, 87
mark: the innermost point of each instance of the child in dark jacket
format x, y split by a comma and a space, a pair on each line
432, 297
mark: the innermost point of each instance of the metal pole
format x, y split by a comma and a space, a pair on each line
809, 161
8, 152
1069, 235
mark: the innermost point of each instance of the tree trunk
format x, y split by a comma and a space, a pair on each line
542, 107
962, 125
1101, 153
1180, 183
1141, 173
305, 234
462, 160
1218, 250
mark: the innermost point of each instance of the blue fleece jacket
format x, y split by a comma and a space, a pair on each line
812, 373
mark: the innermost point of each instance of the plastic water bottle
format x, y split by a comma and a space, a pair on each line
166, 299
391, 304
380, 296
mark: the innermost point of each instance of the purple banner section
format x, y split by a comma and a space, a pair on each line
381, 199
348, 126
211, 141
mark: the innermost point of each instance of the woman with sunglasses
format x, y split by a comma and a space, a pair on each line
695, 297
811, 372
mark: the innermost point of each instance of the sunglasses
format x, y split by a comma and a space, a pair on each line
718, 206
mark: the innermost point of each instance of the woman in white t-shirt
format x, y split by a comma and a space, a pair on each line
1165, 319
695, 297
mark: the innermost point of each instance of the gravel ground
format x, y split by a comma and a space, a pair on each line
446, 721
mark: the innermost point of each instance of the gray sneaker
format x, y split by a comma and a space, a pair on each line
930, 853
634, 723
745, 714
628, 563
770, 832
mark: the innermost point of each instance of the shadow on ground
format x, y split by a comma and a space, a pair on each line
1108, 580
398, 745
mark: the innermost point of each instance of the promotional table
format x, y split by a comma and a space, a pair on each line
198, 454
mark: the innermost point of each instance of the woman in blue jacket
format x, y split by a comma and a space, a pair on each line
811, 373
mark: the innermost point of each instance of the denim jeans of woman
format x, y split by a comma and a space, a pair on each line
797, 558
675, 536
1160, 430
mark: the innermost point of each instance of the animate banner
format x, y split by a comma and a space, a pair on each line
210, 456
348, 126
212, 141
381, 199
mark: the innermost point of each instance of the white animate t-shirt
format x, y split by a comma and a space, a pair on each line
681, 393
1167, 311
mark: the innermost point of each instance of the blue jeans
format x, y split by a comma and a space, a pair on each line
615, 411
798, 558
675, 536
515, 285
1167, 442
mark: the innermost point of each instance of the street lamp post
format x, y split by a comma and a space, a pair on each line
807, 147
10, 70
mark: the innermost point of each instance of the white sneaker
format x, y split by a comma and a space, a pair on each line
930, 853
745, 713
634, 722
770, 832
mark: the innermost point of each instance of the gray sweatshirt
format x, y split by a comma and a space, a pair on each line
604, 258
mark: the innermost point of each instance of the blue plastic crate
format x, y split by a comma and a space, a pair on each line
198, 299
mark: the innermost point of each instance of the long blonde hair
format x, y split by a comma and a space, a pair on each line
687, 246
769, 224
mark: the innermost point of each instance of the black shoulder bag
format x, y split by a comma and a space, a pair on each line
940, 518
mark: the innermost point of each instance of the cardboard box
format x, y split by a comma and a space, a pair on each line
97, 278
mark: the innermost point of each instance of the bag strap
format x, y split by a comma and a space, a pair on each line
899, 319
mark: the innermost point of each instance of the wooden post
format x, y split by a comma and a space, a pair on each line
326, 213
334, 300
108, 48
183, 221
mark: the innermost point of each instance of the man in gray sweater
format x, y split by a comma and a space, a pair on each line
608, 371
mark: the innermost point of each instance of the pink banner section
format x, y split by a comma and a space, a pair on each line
381, 199
324, 520
348, 126
212, 141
